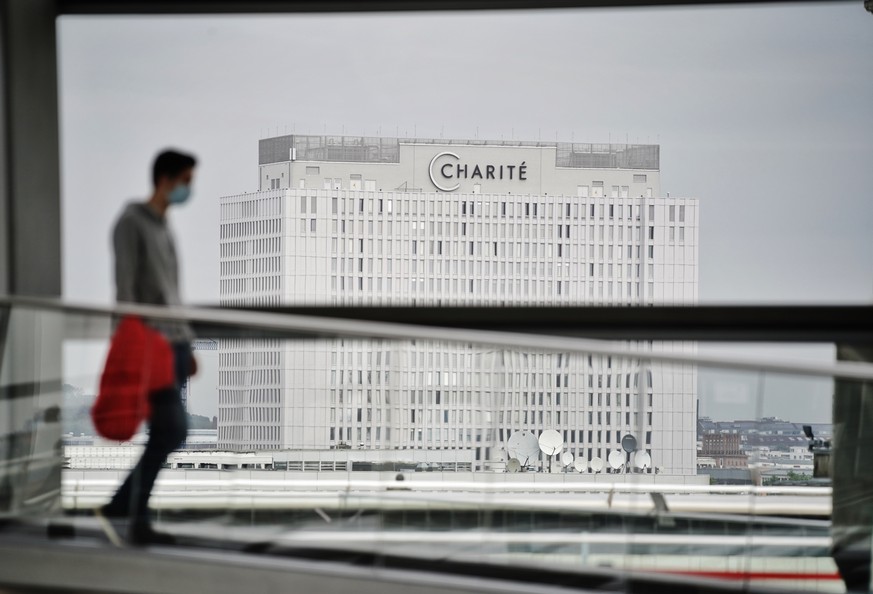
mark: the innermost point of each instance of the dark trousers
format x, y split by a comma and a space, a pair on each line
168, 427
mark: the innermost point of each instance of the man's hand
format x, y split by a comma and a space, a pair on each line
192, 366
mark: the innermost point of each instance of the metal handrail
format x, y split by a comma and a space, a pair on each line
317, 326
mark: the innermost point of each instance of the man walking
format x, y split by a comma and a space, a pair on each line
146, 271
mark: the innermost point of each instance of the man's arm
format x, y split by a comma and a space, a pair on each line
125, 241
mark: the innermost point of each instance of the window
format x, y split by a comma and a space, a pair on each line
312, 170
682, 214
639, 178
596, 192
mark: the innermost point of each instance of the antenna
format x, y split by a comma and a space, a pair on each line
522, 445
616, 459
596, 464
628, 443
567, 458
580, 465
513, 465
551, 442
642, 460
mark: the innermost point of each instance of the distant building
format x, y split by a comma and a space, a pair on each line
724, 449
770, 434
378, 221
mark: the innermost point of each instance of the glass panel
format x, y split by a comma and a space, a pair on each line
411, 450
30, 413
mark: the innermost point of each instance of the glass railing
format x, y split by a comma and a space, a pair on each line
415, 446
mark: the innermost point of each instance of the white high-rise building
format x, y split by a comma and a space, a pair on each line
384, 221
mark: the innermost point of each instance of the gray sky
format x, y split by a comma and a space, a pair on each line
763, 113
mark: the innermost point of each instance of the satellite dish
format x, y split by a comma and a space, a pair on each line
628, 443
616, 459
551, 442
580, 465
513, 465
567, 458
642, 460
522, 445
596, 464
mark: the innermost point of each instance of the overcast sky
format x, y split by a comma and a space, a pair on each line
762, 113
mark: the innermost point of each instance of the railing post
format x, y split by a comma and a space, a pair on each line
852, 472
30, 209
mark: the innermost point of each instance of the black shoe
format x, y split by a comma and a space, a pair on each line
107, 511
140, 534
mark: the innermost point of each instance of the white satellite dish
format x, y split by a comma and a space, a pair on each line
616, 459
596, 464
642, 460
567, 458
580, 465
513, 465
551, 442
522, 445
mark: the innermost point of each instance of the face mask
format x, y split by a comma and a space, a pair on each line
179, 194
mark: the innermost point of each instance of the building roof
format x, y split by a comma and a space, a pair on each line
375, 149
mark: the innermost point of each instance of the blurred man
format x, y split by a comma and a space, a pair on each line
147, 272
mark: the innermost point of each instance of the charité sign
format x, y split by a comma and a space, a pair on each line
447, 169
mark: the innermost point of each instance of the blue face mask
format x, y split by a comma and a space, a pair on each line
179, 194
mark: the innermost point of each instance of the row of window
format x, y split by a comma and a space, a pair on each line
547, 289
456, 417
254, 414
251, 377
251, 228
249, 396
449, 230
521, 207
598, 441
250, 285
471, 398
251, 247
263, 433
486, 269
250, 266
256, 301
248, 359
245, 207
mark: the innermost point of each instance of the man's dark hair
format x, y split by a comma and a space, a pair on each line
171, 164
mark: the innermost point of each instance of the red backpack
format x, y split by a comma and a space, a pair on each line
140, 360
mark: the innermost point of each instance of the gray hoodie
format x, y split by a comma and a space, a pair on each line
146, 267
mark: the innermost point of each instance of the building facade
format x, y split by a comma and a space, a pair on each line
725, 449
346, 221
